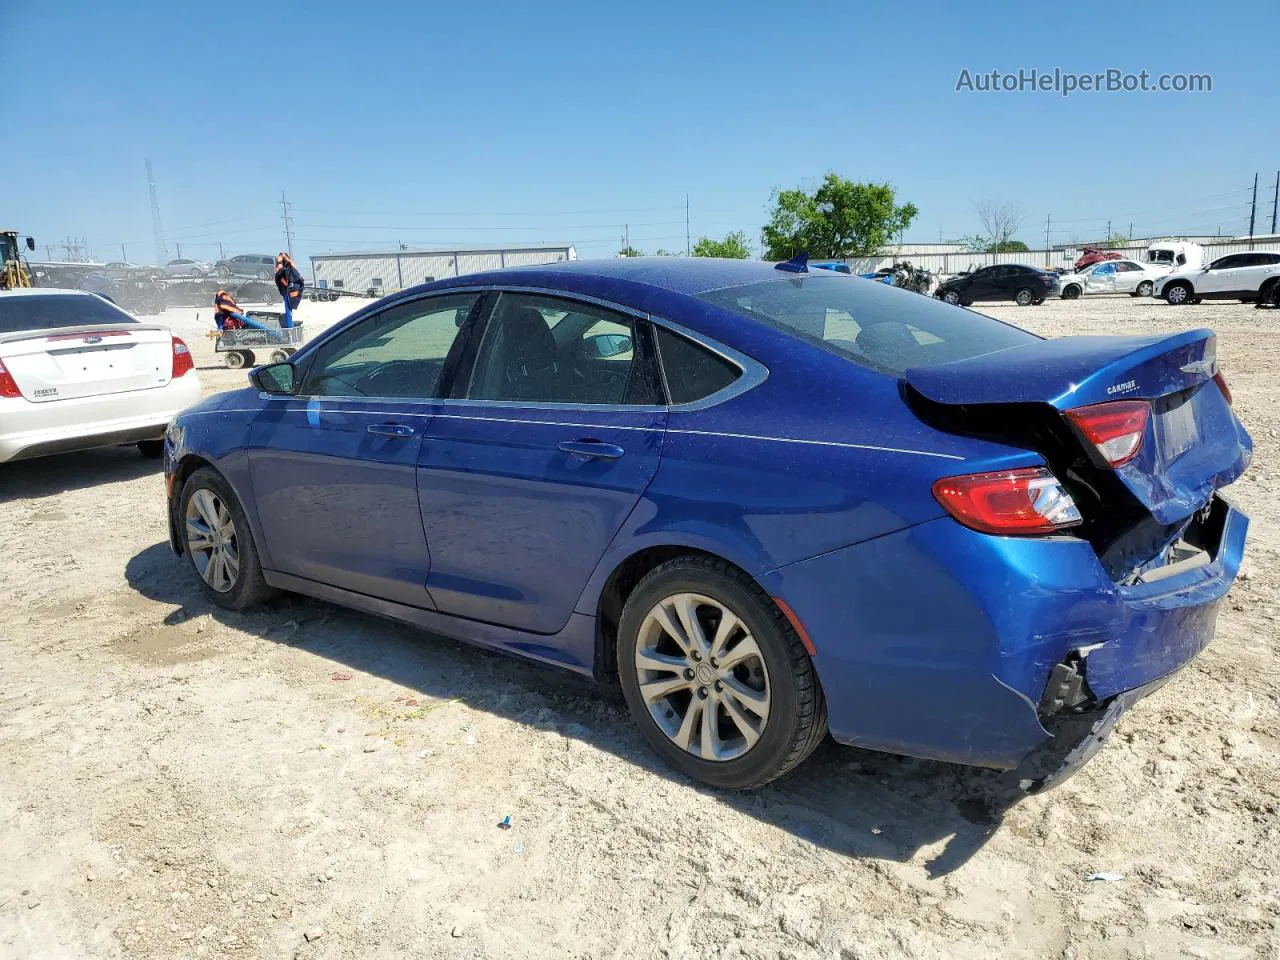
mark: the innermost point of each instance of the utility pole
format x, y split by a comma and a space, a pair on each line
1106, 243
179, 245
122, 253
1253, 210
686, 225
1131, 231
221, 255
162, 250
1275, 202
288, 221
1046, 236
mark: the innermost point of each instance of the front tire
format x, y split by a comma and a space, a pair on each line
1071, 292
715, 675
218, 543
1178, 293
1024, 297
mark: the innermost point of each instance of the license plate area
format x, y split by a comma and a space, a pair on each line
1177, 428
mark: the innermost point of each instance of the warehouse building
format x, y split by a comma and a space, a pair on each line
386, 272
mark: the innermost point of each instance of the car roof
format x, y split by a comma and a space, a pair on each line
684, 275
42, 291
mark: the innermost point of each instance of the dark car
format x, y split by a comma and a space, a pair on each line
1005, 281
765, 500
257, 265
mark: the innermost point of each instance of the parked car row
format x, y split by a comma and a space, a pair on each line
1247, 277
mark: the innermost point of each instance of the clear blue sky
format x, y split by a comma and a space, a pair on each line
494, 122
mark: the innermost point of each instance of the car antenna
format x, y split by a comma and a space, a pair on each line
797, 264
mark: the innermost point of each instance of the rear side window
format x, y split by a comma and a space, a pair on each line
52, 311
693, 372
871, 324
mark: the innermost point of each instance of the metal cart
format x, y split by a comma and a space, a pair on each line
240, 345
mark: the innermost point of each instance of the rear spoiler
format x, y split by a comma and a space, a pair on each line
87, 328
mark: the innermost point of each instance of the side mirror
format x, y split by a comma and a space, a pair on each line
275, 378
603, 346
1205, 268
31, 243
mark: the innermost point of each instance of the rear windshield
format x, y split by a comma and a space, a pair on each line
50, 311
870, 323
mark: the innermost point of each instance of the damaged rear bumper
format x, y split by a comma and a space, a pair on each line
940, 642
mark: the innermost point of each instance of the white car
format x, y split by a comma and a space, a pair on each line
187, 268
1113, 276
78, 372
1237, 276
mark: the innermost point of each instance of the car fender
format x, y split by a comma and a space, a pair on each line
216, 430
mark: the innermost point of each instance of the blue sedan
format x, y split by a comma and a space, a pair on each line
768, 502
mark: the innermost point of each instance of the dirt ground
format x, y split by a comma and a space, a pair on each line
304, 781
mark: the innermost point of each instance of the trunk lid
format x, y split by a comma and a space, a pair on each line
92, 360
1192, 445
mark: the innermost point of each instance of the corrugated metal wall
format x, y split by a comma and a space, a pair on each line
944, 263
395, 271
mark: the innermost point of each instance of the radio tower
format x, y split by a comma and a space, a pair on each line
162, 249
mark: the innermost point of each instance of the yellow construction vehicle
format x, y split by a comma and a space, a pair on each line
12, 272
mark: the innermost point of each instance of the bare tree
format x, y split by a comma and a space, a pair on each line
1000, 221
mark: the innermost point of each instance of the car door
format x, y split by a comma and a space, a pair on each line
1101, 278
334, 467
1127, 276
529, 472
1254, 268
981, 284
1219, 277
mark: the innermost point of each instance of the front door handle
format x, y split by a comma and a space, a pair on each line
591, 449
395, 430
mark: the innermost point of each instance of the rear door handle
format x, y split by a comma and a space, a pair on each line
591, 449
390, 430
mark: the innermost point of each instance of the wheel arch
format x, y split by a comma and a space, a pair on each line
187, 465
620, 580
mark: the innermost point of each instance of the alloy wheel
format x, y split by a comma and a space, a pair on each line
951, 297
211, 540
1023, 298
1176, 293
703, 677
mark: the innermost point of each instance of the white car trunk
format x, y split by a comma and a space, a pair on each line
49, 365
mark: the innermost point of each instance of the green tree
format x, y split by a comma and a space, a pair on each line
630, 251
1116, 240
734, 246
664, 253
1010, 246
839, 219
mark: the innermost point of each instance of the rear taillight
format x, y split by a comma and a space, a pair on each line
1010, 502
182, 361
1221, 381
8, 386
1116, 429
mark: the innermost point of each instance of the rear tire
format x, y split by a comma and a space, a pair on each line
1177, 293
218, 542
697, 700
151, 449
1024, 297
239, 359
279, 356
952, 297
1144, 289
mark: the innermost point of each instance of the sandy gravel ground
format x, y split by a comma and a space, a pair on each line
308, 782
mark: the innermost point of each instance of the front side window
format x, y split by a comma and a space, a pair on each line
871, 324
544, 349
1225, 263
399, 352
